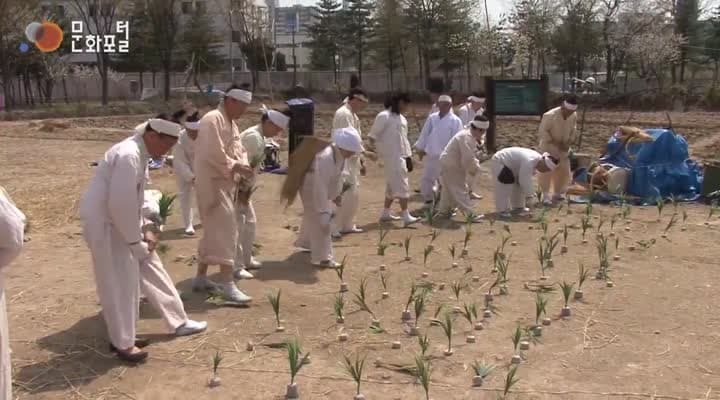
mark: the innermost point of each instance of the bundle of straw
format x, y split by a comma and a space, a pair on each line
300, 161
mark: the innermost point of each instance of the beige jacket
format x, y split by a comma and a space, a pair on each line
556, 133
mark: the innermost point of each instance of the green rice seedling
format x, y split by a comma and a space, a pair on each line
585, 225
541, 256
295, 358
671, 223
600, 224
419, 303
626, 209
162, 249
502, 278
216, 360
470, 313
447, 326
516, 337
384, 281
457, 288
583, 275
506, 227
361, 298
274, 300
339, 307
466, 240
429, 215
434, 235
381, 245
423, 371
588, 208
424, 343
469, 218
165, 206
438, 310
660, 204
567, 290
453, 252
406, 245
603, 257
613, 221
481, 371
510, 381
354, 368
426, 253
503, 243
490, 308
411, 296
340, 272
568, 205
540, 305
529, 336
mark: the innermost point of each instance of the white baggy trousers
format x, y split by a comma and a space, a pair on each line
117, 274
430, 177
312, 234
454, 192
507, 196
246, 221
186, 193
5, 364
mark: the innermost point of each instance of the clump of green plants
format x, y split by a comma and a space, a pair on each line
362, 303
426, 254
215, 379
274, 300
481, 370
567, 290
565, 233
433, 236
466, 241
422, 372
660, 204
510, 381
340, 272
470, 314
384, 282
165, 206
583, 275
453, 253
447, 326
354, 368
419, 302
406, 316
604, 258
516, 337
585, 224
540, 306
381, 244
339, 308
296, 359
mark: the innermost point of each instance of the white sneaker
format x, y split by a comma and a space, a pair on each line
478, 219
475, 196
253, 264
354, 229
241, 273
190, 232
233, 294
203, 284
408, 219
191, 327
389, 218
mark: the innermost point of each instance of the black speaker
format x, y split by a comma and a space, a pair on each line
302, 121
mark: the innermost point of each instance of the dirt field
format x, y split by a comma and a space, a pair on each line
652, 336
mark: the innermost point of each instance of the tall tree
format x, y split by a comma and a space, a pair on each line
712, 44
687, 13
534, 22
142, 57
455, 31
99, 18
390, 35
324, 33
576, 39
423, 17
164, 18
199, 45
357, 30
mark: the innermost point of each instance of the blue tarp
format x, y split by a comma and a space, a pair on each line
661, 168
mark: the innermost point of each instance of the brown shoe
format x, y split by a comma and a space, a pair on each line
130, 357
139, 343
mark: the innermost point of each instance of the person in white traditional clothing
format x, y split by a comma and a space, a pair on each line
272, 124
388, 137
512, 171
123, 245
221, 163
321, 187
12, 230
346, 116
183, 156
475, 106
458, 160
558, 130
439, 128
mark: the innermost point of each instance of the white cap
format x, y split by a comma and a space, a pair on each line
484, 125
193, 126
163, 126
240, 95
276, 117
348, 139
476, 99
444, 99
549, 161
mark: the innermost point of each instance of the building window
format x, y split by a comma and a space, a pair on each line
186, 7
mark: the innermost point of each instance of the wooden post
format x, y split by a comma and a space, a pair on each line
490, 113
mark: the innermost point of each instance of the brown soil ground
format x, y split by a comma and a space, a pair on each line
653, 336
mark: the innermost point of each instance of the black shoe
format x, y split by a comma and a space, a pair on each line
139, 343
132, 357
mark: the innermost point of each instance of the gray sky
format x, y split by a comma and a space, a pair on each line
495, 7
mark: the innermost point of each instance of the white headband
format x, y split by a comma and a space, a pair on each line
549, 162
276, 117
444, 99
358, 96
484, 125
193, 126
568, 106
164, 127
240, 95
476, 99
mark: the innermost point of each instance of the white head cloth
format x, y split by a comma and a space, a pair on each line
240, 95
484, 125
160, 126
568, 106
476, 99
348, 139
276, 117
193, 126
444, 99
549, 161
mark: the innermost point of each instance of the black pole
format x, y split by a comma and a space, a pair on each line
490, 113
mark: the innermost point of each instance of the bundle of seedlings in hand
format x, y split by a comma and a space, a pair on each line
419, 310
446, 323
585, 225
381, 245
583, 275
296, 360
540, 304
510, 381
165, 206
384, 283
604, 258
567, 290
406, 245
482, 371
426, 253
470, 314
411, 297
339, 308
516, 337
660, 204
340, 271
466, 241
671, 223
422, 370
354, 368
274, 300
361, 301
215, 379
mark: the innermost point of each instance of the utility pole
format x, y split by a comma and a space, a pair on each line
230, 47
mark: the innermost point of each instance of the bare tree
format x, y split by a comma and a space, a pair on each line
13, 18
164, 20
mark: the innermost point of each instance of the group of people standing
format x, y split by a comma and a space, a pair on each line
217, 165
